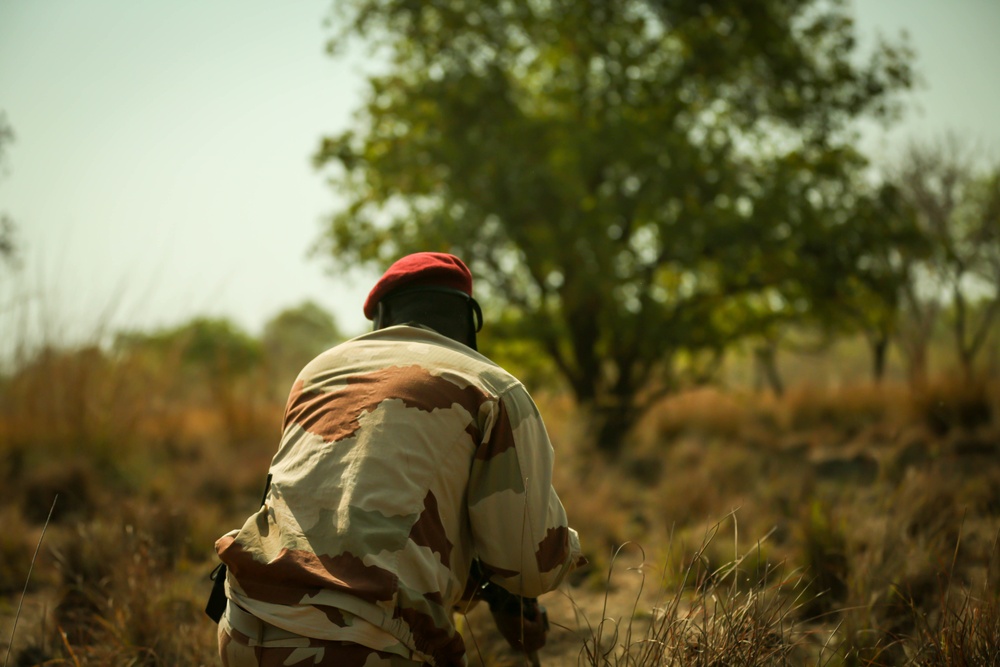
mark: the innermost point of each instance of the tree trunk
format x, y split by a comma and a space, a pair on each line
766, 362
880, 353
915, 337
611, 423
917, 365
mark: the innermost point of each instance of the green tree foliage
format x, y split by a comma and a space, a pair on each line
206, 353
218, 346
214, 346
641, 182
846, 276
884, 243
296, 335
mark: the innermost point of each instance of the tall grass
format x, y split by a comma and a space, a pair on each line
738, 613
814, 563
146, 479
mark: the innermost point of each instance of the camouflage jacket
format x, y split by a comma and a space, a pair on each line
405, 456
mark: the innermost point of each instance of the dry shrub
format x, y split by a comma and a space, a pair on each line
705, 413
17, 545
166, 531
941, 626
951, 404
848, 409
119, 604
859, 641
967, 634
944, 525
563, 421
706, 480
71, 399
215, 480
707, 618
597, 510
823, 557
74, 482
913, 559
687, 496
928, 508
966, 629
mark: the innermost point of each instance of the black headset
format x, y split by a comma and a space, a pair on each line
475, 311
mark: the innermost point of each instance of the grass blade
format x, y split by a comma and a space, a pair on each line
17, 615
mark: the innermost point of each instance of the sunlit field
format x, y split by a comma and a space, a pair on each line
760, 323
846, 524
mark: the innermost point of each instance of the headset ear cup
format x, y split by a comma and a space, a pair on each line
477, 316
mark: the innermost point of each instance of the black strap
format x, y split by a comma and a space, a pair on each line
267, 487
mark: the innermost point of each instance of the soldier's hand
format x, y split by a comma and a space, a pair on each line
522, 622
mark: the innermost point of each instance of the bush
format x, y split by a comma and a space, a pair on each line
708, 620
16, 550
952, 404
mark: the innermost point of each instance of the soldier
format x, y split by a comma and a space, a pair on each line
412, 473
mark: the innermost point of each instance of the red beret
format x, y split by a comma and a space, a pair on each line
421, 269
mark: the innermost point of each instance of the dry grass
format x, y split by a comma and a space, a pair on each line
850, 526
702, 615
885, 517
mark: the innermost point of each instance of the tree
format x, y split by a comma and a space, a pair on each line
213, 353
218, 346
634, 180
847, 272
956, 199
294, 336
887, 243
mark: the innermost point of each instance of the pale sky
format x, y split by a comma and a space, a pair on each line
161, 168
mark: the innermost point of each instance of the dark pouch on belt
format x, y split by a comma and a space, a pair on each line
216, 605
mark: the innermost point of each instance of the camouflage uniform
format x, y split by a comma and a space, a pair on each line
405, 456
246, 641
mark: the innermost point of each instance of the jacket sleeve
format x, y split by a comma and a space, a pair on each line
519, 527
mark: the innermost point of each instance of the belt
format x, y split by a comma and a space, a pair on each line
261, 633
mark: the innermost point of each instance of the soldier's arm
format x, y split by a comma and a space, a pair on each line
519, 525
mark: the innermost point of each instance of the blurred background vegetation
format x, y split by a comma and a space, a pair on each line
767, 360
